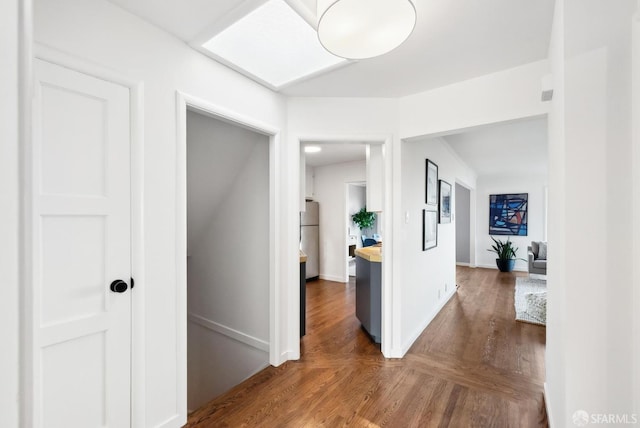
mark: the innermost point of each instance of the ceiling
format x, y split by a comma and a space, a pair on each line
518, 147
454, 40
333, 153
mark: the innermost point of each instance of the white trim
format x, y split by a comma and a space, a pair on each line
229, 332
334, 278
136, 102
183, 103
464, 264
545, 395
26, 329
494, 267
390, 315
407, 345
174, 421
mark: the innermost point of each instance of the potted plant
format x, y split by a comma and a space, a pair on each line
506, 254
364, 219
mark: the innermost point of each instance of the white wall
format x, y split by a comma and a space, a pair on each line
534, 185
497, 97
9, 220
309, 182
429, 277
590, 349
463, 221
99, 32
330, 188
357, 201
228, 264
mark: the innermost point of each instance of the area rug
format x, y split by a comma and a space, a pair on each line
531, 300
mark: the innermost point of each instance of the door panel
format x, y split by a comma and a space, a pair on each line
81, 243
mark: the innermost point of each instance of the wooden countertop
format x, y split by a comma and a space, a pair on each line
303, 257
372, 254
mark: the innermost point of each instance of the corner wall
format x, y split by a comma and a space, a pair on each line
228, 256
9, 215
590, 353
330, 183
429, 277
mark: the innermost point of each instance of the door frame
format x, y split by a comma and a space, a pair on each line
136, 115
185, 102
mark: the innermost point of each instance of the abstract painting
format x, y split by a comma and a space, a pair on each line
445, 202
429, 229
508, 214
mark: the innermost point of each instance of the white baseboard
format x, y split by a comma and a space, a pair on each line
239, 336
427, 321
463, 264
496, 268
547, 407
175, 421
333, 278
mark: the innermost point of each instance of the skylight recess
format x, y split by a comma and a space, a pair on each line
272, 44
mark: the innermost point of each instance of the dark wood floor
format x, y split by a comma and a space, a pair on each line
474, 366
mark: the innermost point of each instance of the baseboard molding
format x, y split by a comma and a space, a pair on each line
229, 332
175, 421
333, 278
463, 264
547, 407
494, 267
427, 321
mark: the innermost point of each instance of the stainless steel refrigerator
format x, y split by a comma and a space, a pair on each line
310, 238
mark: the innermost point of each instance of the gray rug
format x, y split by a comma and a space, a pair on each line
531, 300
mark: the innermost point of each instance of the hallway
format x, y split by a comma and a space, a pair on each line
474, 366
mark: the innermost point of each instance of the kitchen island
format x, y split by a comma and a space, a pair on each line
368, 290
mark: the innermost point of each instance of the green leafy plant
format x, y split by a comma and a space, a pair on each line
504, 250
364, 219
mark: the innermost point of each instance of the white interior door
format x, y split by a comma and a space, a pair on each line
81, 244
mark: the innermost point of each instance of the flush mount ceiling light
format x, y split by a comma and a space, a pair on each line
312, 149
359, 29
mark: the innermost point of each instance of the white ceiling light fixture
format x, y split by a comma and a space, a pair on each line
360, 29
312, 149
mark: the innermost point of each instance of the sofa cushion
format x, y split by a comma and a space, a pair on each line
540, 264
542, 250
535, 248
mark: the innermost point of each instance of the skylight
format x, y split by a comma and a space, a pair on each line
272, 44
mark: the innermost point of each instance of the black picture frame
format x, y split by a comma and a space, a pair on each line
444, 207
431, 183
429, 229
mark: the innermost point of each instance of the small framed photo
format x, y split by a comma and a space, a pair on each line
429, 229
431, 182
444, 207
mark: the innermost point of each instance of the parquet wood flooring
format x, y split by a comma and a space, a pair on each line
474, 366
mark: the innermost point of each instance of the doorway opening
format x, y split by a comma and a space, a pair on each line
334, 179
227, 256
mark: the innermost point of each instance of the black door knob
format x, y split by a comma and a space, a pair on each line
119, 286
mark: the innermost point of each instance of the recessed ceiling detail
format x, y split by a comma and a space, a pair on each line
273, 45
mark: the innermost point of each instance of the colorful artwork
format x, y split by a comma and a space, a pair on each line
508, 214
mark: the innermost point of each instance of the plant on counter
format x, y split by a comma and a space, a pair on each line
506, 252
364, 219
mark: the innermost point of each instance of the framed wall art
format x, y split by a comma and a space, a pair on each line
508, 214
429, 229
431, 181
444, 207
